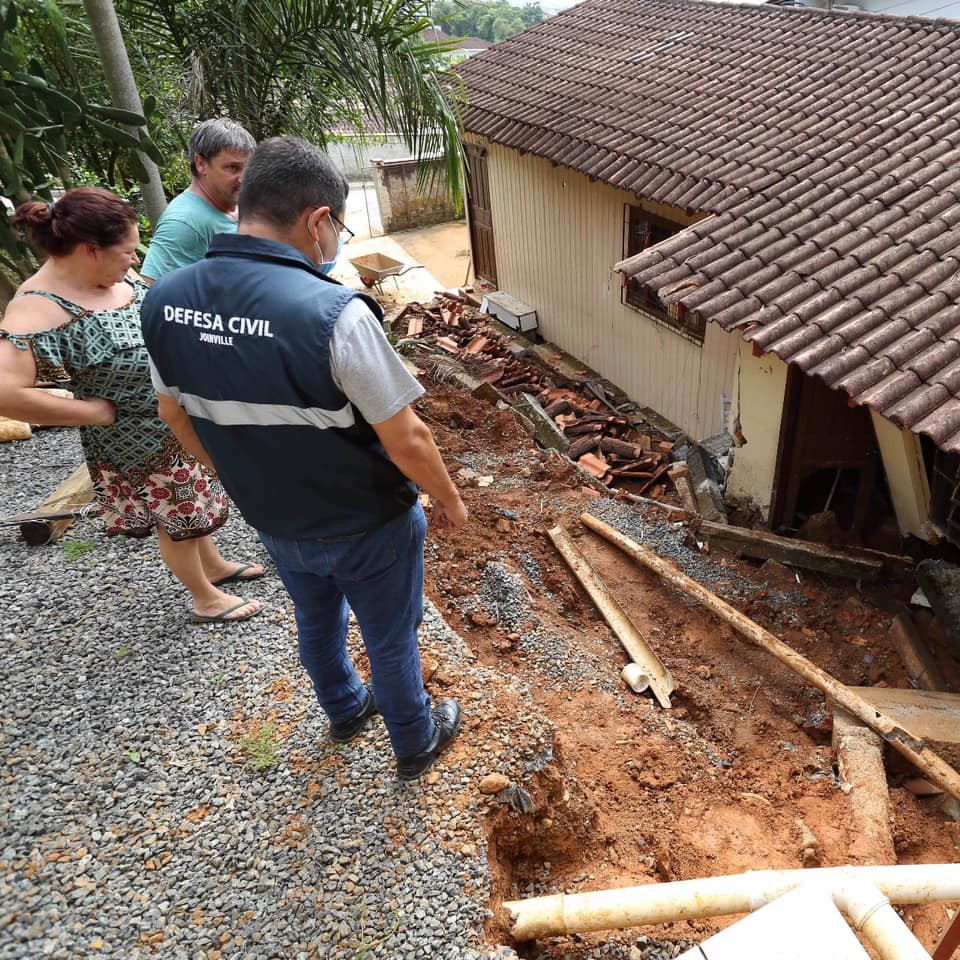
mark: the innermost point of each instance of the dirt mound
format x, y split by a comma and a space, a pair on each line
737, 775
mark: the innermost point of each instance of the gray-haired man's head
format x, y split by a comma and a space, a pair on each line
284, 177
219, 152
210, 137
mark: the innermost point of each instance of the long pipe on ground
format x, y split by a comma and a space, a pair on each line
913, 748
718, 896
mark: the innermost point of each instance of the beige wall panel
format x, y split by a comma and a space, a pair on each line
557, 237
906, 474
762, 384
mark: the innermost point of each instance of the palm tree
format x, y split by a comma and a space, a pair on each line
307, 67
123, 91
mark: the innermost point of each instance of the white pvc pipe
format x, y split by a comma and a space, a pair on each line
871, 914
717, 896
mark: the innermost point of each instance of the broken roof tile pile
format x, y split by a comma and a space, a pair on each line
602, 438
826, 146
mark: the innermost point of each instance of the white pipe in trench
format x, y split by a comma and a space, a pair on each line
718, 896
872, 915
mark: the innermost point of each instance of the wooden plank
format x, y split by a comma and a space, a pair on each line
799, 553
642, 654
950, 940
926, 714
934, 767
859, 754
47, 524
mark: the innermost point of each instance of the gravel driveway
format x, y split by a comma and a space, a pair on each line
134, 823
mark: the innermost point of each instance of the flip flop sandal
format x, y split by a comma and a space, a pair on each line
223, 617
239, 575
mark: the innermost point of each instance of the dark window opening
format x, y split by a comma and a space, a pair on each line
643, 230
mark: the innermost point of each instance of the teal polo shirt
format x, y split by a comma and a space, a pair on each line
184, 233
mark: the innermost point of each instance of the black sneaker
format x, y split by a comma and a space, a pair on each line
346, 731
446, 716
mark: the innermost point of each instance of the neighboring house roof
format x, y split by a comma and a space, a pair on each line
826, 146
436, 35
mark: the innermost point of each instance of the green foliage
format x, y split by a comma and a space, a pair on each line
75, 549
308, 67
493, 20
56, 125
261, 750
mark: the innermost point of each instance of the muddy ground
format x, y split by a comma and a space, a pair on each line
725, 780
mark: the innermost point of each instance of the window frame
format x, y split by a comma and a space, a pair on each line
675, 317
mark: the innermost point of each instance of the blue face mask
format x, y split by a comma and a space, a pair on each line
327, 265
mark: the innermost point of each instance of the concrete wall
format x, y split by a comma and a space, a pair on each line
758, 402
355, 160
558, 236
403, 205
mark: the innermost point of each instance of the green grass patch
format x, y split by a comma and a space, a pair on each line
75, 549
262, 750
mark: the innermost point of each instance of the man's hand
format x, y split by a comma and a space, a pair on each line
409, 444
450, 516
103, 412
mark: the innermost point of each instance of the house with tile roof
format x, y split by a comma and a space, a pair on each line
747, 217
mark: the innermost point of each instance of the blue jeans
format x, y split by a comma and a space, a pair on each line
380, 575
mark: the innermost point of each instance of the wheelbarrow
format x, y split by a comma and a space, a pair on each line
374, 268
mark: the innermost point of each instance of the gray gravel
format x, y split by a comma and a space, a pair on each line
134, 824
667, 539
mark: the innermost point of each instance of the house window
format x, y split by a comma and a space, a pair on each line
642, 230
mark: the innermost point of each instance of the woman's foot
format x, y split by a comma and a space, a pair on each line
224, 607
225, 572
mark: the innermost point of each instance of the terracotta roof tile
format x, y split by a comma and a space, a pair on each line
856, 375
942, 424
822, 148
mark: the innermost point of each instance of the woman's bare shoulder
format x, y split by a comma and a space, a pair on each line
32, 314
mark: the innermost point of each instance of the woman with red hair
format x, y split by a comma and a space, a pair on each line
78, 319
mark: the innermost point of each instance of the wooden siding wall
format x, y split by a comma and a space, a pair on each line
557, 238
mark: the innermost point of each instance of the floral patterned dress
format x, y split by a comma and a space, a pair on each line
141, 475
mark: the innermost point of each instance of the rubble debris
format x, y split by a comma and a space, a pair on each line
918, 753
544, 429
658, 676
940, 582
679, 473
812, 556
922, 670
574, 417
14, 430
54, 516
493, 783
811, 850
927, 714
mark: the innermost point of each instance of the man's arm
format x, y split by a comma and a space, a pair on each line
177, 419
410, 446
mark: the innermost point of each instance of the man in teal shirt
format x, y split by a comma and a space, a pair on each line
219, 151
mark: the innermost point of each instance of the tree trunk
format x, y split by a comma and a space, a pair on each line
123, 90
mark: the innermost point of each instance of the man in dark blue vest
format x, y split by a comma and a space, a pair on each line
283, 381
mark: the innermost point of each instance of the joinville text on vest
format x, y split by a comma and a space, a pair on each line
213, 327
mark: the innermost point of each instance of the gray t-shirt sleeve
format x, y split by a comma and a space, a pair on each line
366, 368
158, 385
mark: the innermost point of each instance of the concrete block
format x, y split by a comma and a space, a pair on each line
547, 433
